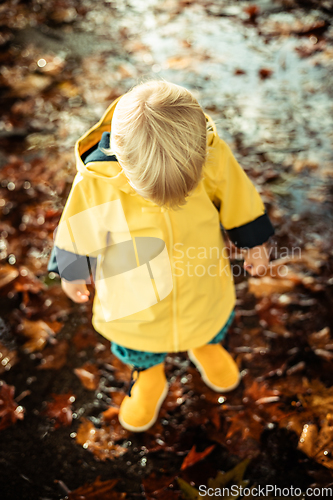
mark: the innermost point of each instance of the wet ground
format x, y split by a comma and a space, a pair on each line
264, 72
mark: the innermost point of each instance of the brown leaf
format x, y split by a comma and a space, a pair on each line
286, 267
246, 424
265, 73
156, 487
252, 11
110, 417
193, 456
272, 314
38, 332
260, 393
319, 398
8, 274
98, 490
322, 450
99, 441
10, 411
89, 376
317, 442
110, 414
27, 282
266, 286
60, 409
239, 71
321, 339
117, 397
308, 439
8, 358
294, 421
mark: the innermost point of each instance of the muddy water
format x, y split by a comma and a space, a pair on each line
267, 80
285, 119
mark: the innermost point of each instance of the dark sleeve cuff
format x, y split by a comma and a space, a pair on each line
52, 265
253, 233
71, 266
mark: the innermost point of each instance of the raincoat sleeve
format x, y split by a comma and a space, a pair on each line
242, 212
80, 236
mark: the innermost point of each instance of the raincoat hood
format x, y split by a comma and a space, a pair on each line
109, 171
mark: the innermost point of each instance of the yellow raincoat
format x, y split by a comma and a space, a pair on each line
163, 279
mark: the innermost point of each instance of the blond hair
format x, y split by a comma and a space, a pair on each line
158, 134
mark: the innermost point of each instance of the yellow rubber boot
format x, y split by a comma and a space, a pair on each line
216, 366
139, 412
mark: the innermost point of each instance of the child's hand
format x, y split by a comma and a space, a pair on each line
76, 290
256, 260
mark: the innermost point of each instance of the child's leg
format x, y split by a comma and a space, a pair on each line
217, 367
142, 359
148, 388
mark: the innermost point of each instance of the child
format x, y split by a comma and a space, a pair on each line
143, 217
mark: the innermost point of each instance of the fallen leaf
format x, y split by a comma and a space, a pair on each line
8, 274
308, 439
99, 441
89, 376
117, 397
321, 339
98, 490
156, 487
194, 456
322, 450
252, 11
265, 73
318, 398
10, 411
110, 414
239, 71
260, 393
60, 409
246, 424
8, 358
27, 282
38, 332
261, 287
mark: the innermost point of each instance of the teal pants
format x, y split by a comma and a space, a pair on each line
145, 359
